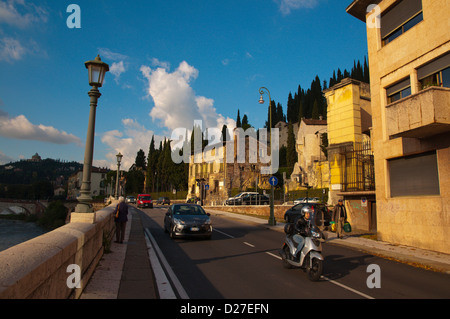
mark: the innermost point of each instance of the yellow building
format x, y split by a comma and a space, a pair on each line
409, 59
350, 156
222, 174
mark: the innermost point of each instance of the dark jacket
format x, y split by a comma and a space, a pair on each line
302, 226
338, 209
123, 212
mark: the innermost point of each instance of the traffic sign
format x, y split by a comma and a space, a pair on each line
273, 181
207, 187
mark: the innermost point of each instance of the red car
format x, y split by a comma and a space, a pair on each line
144, 200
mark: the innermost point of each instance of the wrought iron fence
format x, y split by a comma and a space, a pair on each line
358, 172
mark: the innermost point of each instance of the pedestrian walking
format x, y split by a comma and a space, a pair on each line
339, 217
121, 219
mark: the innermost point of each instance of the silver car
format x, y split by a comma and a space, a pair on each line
187, 220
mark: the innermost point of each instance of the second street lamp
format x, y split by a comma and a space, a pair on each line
96, 70
272, 220
119, 159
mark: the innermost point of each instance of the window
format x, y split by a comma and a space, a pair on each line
414, 175
435, 73
402, 17
399, 90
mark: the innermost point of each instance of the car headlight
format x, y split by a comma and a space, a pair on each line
178, 221
207, 222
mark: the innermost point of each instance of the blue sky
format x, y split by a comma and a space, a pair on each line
171, 62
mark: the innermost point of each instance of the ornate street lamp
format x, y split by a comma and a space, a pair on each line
119, 159
96, 70
272, 220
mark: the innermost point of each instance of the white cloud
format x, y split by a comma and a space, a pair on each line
128, 143
176, 103
11, 50
108, 54
117, 68
21, 128
29, 13
287, 5
4, 159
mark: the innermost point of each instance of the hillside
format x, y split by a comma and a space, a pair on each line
29, 172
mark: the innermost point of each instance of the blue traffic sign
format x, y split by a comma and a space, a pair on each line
273, 181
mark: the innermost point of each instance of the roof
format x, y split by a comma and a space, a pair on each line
314, 122
358, 8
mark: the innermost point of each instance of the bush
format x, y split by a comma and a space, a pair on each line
54, 216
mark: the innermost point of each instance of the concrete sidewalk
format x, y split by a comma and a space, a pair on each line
127, 272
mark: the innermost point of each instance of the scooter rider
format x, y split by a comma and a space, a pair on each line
302, 227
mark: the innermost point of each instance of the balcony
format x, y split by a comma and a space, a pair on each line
421, 115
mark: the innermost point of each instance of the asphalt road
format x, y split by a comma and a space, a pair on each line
241, 261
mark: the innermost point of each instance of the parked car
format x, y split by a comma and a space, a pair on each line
187, 220
306, 200
294, 212
255, 199
144, 200
163, 201
237, 200
131, 199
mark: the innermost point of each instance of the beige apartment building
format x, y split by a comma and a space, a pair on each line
409, 59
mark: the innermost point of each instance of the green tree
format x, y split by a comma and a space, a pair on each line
140, 159
291, 153
54, 215
238, 120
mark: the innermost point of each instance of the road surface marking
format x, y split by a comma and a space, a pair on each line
273, 255
248, 244
182, 293
222, 233
348, 288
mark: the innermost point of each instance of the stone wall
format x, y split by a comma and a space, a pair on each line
255, 210
37, 269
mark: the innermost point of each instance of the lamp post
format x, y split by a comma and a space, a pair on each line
96, 69
272, 220
119, 159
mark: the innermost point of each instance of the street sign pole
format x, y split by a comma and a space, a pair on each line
273, 181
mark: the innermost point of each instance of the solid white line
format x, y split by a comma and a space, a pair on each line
273, 255
248, 244
348, 288
173, 277
222, 233
164, 288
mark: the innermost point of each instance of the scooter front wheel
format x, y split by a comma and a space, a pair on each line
315, 269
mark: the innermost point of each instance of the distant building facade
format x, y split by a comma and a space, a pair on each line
98, 185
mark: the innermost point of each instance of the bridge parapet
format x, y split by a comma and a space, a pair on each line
38, 268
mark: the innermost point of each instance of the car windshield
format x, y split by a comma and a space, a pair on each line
145, 198
188, 210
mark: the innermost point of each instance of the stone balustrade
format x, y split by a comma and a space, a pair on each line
38, 268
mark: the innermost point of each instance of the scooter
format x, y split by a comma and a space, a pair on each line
309, 257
